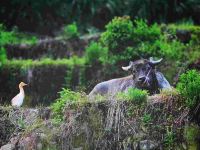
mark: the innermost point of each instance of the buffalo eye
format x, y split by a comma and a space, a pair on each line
134, 71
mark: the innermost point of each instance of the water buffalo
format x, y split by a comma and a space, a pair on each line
144, 76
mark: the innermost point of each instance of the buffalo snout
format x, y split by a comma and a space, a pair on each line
142, 78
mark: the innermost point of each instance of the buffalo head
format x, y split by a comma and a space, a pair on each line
144, 73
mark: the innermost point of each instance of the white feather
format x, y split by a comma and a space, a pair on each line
17, 101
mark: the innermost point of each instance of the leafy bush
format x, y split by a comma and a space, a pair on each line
173, 49
143, 32
128, 40
96, 53
151, 42
5, 36
168, 49
135, 95
86, 11
189, 87
66, 96
118, 34
71, 31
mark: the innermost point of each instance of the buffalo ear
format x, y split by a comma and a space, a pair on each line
154, 62
128, 67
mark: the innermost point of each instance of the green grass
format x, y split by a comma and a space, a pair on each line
21, 38
135, 95
146, 118
183, 26
169, 138
16, 63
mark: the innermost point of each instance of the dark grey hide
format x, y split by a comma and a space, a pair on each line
144, 76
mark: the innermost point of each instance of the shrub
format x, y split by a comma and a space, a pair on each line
96, 53
71, 31
126, 40
135, 95
143, 32
118, 34
189, 87
66, 96
160, 46
6, 37
168, 49
173, 49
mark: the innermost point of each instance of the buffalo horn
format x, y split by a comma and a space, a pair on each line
154, 62
128, 67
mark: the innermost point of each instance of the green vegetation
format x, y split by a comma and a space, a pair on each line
162, 119
118, 34
151, 42
67, 97
195, 30
21, 38
12, 37
3, 56
135, 95
96, 53
43, 62
189, 87
5, 38
169, 138
127, 40
86, 11
70, 31
50, 74
193, 35
118, 38
146, 119
143, 32
191, 133
169, 92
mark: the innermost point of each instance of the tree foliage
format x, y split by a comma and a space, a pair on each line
189, 87
98, 12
